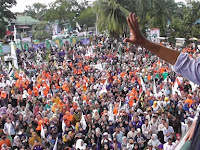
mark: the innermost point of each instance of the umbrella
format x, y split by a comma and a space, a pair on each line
193, 39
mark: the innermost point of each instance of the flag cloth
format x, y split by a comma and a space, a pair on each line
55, 146
48, 44
154, 88
103, 90
42, 132
83, 122
194, 86
143, 85
111, 115
26, 46
1, 47
175, 88
78, 28
63, 125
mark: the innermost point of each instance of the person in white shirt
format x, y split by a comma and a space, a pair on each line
146, 129
168, 132
161, 127
132, 133
154, 125
169, 145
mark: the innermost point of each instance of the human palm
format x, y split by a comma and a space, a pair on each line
137, 37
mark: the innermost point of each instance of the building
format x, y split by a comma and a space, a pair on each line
23, 24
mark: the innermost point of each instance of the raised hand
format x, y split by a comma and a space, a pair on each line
190, 132
137, 37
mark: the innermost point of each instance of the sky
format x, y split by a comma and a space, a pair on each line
21, 4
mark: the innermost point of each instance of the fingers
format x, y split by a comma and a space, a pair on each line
131, 19
128, 40
187, 137
129, 23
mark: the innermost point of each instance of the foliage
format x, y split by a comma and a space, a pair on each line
5, 15
63, 11
160, 13
111, 17
87, 17
37, 11
182, 25
42, 31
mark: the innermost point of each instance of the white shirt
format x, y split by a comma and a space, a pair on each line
169, 147
161, 127
167, 131
145, 130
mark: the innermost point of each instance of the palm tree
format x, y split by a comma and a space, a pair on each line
161, 11
111, 17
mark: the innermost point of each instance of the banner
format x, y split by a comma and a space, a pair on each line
27, 39
154, 33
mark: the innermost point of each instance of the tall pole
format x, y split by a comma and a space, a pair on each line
97, 18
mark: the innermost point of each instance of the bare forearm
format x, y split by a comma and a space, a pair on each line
164, 53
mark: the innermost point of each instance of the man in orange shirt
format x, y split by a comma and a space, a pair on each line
5, 140
189, 100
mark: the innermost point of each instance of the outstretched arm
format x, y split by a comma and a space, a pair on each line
138, 39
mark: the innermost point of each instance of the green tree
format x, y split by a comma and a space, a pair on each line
41, 31
87, 17
37, 11
161, 11
111, 17
183, 22
5, 15
61, 10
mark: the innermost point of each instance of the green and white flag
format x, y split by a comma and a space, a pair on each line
1, 47
26, 46
60, 42
48, 44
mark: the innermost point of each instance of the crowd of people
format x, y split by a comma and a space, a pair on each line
102, 96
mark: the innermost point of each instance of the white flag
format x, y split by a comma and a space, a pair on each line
103, 90
83, 122
78, 26
143, 85
42, 132
194, 86
111, 115
175, 88
154, 89
63, 125
55, 146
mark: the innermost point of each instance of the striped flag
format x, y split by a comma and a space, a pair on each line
143, 85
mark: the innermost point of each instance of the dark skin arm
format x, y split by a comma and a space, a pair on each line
164, 53
138, 39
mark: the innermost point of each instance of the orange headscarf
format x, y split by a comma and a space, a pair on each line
68, 118
54, 107
40, 123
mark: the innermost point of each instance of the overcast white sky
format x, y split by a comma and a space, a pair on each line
21, 4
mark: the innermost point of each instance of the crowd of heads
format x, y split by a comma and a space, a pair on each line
102, 96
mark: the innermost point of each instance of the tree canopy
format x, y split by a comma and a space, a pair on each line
5, 15
173, 19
